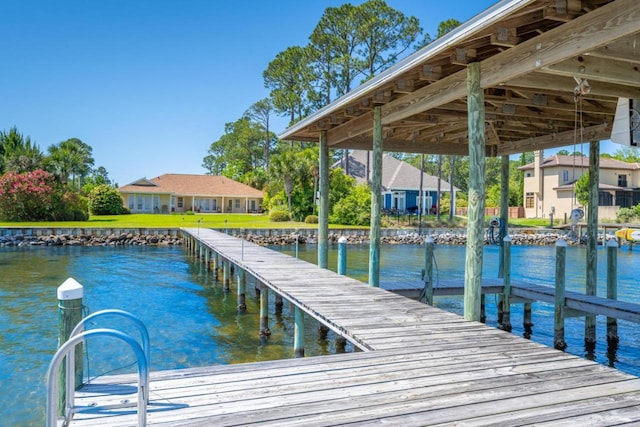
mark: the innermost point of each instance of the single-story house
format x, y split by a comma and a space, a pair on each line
549, 185
400, 182
183, 192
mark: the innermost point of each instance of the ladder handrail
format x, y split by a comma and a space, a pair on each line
70, 363
69, 347
144, 333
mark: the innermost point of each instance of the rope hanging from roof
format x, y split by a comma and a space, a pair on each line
582, 88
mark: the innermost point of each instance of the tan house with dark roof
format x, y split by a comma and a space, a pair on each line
549, 185
198, 193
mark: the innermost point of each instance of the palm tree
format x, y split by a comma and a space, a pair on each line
17, 153
70, 158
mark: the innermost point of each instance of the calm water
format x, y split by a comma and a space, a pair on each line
535, 264
193, 322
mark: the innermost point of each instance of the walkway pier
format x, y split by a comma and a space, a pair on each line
419, 366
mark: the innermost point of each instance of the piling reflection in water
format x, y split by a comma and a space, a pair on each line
535, 264
191, 320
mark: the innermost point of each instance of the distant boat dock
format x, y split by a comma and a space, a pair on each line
418, 365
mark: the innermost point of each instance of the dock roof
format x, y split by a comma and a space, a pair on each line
533, 55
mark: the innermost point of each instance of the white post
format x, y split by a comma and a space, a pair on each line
70, 295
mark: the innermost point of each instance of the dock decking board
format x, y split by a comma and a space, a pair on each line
421, 366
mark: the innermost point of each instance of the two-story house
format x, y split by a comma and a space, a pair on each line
549, 185
400, 182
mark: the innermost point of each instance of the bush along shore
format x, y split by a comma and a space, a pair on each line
91, 240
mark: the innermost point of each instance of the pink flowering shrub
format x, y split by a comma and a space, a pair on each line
36, 196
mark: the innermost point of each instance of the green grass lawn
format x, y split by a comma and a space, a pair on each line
170, 221
232, 221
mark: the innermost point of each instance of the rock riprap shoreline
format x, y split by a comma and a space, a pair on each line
439, 238
121, 239
401, 237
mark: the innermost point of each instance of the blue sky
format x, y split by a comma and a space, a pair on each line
149, 84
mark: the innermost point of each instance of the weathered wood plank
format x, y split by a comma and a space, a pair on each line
427, 365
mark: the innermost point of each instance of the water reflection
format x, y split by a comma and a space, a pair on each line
534, 264
192, 321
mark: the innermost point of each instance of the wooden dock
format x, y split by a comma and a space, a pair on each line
420, 366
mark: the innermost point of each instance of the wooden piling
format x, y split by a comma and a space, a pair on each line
70, 295
298, 334
504, 209
506, 290
527, 322
264, 311
592, 240
216, 263
323, 331
376, 200
342, 256
242, 285
475, 227
558, 321
226, 273
429, 247
278, 303
323, 208
612, 288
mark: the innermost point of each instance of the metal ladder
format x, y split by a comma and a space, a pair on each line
67, 350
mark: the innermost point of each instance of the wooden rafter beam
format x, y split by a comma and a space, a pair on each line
538, 80
606, 24
594, 133
622, 50
596, 69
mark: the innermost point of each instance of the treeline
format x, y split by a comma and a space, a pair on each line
349, 45
60, 184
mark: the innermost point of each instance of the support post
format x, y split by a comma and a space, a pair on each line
207, 258
427, 277
226, 273
342, 256
242, 286
558, 322
278, 303
504, 209
215, 264
506, 291
527, 322
475, 227
592, 240
298, 335
70, 294
612, 288
264, 311
376, 196
323, 211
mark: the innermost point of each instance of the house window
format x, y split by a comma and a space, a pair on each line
206, 205
180, 202
528, 203
156, 204
238, 204
624, 199
622, 180
139, 203
565, 177
214, 205
605, 199
131, 202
